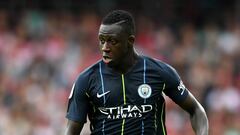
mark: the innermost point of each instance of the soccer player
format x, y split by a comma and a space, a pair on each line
122, 94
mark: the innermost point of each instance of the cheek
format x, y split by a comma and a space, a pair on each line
126, 48
121, 52
117, 52
100, 47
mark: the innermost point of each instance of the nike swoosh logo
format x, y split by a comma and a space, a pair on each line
100, 95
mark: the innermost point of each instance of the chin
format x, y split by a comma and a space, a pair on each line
110, 63
106, 61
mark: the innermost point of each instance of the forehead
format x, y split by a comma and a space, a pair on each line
110, 30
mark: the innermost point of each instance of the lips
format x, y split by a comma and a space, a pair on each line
107, 59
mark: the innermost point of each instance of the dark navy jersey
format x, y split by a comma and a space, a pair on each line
125, 104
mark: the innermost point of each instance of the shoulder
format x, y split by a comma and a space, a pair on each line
164, 69
86, 75
159, 64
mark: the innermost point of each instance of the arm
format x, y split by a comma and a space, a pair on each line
78, 106
197, 113
73, 128
176, 90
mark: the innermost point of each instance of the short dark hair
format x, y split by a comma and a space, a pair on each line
118, 16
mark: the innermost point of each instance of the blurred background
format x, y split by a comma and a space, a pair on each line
44, 44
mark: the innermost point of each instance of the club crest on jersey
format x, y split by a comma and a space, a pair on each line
144, 91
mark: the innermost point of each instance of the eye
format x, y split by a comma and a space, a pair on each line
113, 41
102, 41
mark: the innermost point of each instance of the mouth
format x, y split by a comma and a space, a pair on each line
107, 59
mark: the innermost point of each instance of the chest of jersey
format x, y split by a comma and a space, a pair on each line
130, 101
129, 89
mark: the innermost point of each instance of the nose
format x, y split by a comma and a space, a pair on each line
105, 47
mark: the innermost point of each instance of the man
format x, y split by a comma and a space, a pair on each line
122, 94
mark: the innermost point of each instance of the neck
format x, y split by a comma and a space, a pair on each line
127, 62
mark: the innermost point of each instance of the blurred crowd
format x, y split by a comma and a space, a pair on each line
42, 53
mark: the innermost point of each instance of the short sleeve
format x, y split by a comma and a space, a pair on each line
78, 100
174, 87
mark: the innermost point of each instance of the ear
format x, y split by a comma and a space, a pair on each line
131, 39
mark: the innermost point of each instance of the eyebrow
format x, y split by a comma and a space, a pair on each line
107, 36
